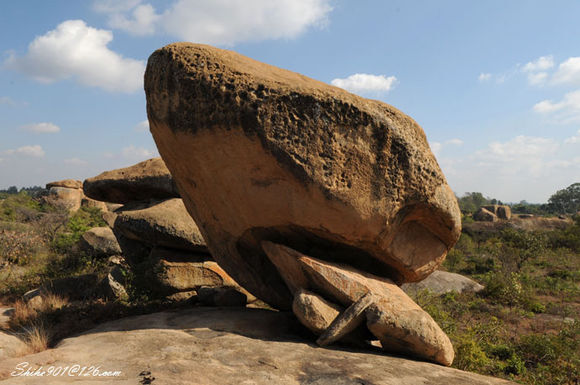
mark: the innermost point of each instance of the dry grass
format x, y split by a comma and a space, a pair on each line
28, 313
36, 338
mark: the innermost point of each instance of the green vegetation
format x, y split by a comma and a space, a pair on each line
524, 325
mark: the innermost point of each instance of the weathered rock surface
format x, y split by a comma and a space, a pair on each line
10, 346
65, 198
392, 317
164, 223
261, 153
226, 346
313, 311
146, 180
441, 282
177, 270
88, 202
68, 183
100, 241
484, 215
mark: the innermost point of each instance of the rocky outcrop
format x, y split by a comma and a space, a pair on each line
178, 270
501, 211
261, 153
484, 215
64, 198
160, 223
225, 346
441, 282
146, 180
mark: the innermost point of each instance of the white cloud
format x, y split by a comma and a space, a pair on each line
42, 128
568, 72
523, 167
219, 22
114, 6
132, 152
540, 64
573, 139
566, 111
536, 69
75, 50
34, 151
142, 22
484, 77
437, 147
75, 162
365, 83
142, 126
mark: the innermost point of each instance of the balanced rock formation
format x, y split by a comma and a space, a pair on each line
260, 153
146, 180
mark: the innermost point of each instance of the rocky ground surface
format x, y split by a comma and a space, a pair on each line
224, 346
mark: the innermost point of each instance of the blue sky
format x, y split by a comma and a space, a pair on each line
494, 84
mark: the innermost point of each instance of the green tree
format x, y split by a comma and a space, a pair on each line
566, 201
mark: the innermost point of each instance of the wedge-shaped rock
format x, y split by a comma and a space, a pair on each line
261, 153
164, 223
398, 322
146, 180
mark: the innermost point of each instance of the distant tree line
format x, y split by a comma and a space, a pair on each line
33, 191
565, 201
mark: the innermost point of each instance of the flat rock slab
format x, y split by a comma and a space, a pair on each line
10, 346
164, 223
225, 346
146, 180
441, 282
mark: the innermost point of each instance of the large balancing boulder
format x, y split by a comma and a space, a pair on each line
264, 154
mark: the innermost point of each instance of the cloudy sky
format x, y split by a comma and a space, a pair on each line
495, 84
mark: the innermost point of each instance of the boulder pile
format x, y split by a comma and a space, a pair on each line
151, 233
312, 198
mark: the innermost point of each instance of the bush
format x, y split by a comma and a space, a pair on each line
78, 223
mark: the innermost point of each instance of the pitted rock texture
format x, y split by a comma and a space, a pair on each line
146, 180
261, 153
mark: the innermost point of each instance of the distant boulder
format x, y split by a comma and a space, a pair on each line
441, 282
484, 215
501, 211
146, 180
64, 198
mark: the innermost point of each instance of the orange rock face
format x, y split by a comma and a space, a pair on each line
260, 153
